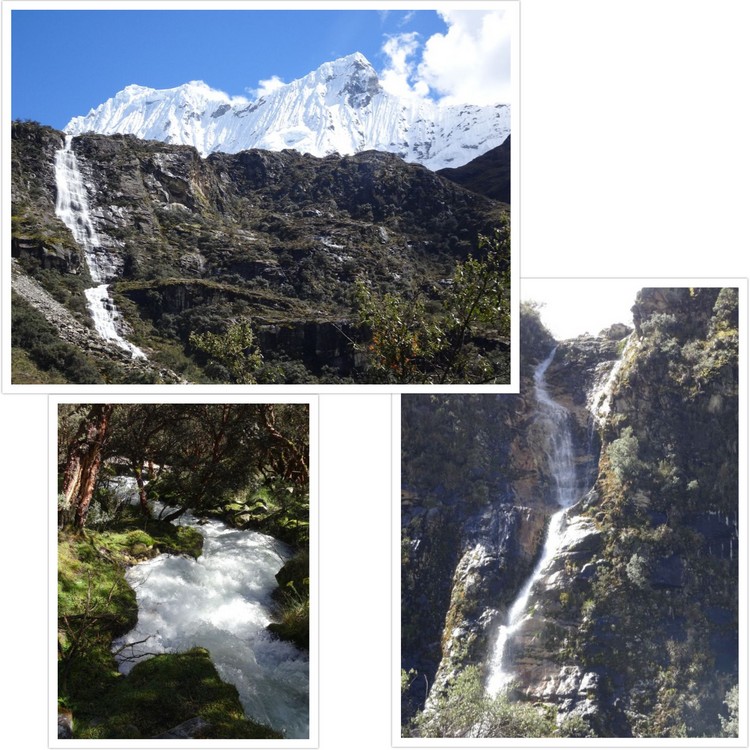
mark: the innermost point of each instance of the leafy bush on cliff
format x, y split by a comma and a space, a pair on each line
730, 724
408, 345
466, 710
623, 456
536, 338
60, 361
235, 350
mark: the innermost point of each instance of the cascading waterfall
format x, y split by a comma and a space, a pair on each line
554, 420
72, 207
221, 602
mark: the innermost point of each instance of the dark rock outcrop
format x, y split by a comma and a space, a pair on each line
488, 174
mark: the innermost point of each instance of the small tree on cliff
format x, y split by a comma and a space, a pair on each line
408, 346
235, 350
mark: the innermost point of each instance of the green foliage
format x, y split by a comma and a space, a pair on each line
95, 604
623, 454
212, 455
726, 310
536, 338
457, 711
165, 691
464, 709
402, 341
638, 570
406, 679
276, 508
294, 614
409, 345
235, 350
58, 360
730, 724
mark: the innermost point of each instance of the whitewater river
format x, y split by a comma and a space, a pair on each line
222, 601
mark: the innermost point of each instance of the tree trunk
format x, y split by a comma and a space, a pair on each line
142, 495
83, 462
289, 460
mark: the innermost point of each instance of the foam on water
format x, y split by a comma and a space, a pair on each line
221, 602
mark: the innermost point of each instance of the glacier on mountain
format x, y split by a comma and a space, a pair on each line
340, 107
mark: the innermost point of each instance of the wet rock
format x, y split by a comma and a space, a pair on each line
187, 730
64, 725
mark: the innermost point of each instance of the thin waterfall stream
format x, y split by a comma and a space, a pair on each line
222, 602
560, 456
72, 207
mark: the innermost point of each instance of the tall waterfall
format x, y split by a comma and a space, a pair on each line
553, 418
222, 601
72, 206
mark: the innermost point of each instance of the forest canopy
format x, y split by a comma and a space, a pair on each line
196, 457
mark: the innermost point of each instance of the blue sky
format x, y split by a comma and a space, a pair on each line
64, 62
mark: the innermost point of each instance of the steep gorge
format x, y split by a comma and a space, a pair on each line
631, 628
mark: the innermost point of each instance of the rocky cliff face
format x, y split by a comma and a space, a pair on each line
633, 626
488, 174
473, 521
470, 532
276, 237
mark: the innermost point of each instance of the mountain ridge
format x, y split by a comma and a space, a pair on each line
340, 107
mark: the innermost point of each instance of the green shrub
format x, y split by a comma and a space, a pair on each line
31, 332
465, 710
730, 726
623, 454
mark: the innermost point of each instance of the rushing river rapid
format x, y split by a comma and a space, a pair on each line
222, 601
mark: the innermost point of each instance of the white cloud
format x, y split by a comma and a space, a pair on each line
398, 77
468, 64
266, 86
406, 18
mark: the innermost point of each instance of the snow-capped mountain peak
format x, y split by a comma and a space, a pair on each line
339, 107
